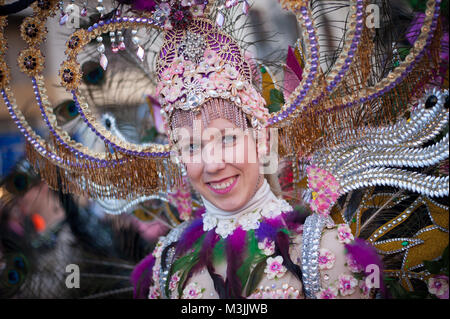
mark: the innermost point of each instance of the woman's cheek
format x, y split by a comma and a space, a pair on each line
194, 172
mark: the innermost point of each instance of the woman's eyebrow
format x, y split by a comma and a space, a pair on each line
206, 138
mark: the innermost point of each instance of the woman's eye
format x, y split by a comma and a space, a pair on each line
189, 148
193, 147
229, 139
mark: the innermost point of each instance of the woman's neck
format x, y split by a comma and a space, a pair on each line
262, 195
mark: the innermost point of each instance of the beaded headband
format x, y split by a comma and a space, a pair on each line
199, 63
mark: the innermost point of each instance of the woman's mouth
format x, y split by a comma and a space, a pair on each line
223, 186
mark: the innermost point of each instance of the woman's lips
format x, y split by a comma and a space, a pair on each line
224, 186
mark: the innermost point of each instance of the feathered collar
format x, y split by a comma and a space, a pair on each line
264, 204
198, 248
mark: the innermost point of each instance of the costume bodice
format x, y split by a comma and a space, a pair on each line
317, 247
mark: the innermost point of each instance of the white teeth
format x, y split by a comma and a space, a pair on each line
222, 185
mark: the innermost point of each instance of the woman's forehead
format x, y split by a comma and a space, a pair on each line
219, 123
200, 131
227, 115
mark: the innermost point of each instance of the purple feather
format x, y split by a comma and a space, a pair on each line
205, 260
264, 231
236, 244
413, 30
236, 241
144, 5
292, 73
190, 236
268, 229
141, 277
292, 63
365, 254
294, 218
199, 212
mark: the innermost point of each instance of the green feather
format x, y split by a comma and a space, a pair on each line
253, 252
255, 277
219, 252
185, 263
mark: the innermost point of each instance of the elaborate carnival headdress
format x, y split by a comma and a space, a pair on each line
359, 104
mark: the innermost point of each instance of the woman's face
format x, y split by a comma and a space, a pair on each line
221, 162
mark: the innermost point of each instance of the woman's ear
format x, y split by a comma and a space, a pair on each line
262, 138
267, 147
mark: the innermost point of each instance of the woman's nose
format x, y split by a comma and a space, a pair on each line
214, 167
213, 163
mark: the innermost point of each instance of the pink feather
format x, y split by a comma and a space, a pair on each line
365, 254
141, 277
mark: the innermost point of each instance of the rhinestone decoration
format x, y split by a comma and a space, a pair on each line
192, 47
164, 271
312, 232
370, 161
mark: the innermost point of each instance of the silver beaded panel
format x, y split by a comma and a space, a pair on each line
312, 233
377, 158
172, 237
119, 206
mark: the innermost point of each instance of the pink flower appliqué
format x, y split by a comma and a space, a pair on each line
438, 285
181, 198
275, 268
193, 291
347, 284
167, 74
328, 293
267, 246
220, 82
210, 57
364, 289
197, 10
158, 249
173, 93
204, 68
353, 265
325, 190
154, 292
231, 72
174, 281
345, 235
177, 66
207, 84
326, 259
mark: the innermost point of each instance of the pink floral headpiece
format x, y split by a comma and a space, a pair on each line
200, 63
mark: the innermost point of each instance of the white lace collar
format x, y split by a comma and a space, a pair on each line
264, 204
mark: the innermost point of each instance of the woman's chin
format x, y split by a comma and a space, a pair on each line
227, 206
231, 203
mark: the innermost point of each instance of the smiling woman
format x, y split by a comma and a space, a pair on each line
220, 157
248, 242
